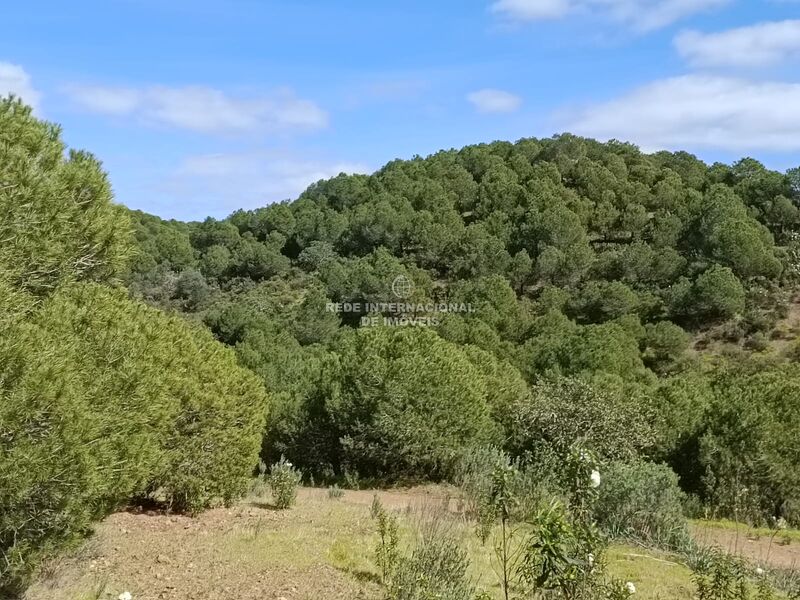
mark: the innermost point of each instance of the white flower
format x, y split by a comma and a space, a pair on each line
781, 524
595, 478
630, 587
759, 571
590, 559
125, 596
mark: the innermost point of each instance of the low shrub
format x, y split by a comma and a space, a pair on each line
436, 568
387, 553
476, 474
335, 492
284, 480
642, 501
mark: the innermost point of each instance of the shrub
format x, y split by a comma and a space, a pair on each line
386, 550
103, 399
723, 576
284, 480
405, 402
642, 501
335, 492
476, 475
437, 567
563, 412
557, 556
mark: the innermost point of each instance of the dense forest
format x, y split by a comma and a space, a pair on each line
659, 285
641, 304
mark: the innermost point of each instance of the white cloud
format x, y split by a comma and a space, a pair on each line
494, 101
202, 109
532, 10
221, 183
639, 15
754, 46
15, 80
696, 111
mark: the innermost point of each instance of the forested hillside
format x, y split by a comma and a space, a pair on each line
639, 303
557, 299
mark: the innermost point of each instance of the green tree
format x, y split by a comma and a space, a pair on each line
104, 399
718, 293
57, 220
406, 402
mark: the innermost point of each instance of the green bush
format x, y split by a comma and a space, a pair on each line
642, 501
436, 568
749, 448
103, 399
562, 412
405, 402
475, 474
284, 480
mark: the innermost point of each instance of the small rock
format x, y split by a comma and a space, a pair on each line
162, 559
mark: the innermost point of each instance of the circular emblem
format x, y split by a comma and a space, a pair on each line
402, 286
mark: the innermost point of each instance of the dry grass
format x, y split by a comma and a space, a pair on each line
319, 550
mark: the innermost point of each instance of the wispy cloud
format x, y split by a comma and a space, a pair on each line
696, 111
532, 10
15, 80
202, 109
758, 45
221, 183
640, 15
494, 101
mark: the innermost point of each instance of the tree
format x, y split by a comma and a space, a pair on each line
103, 400
664, 343
602, 301
406, 402
718, 294
57, 221
564, 251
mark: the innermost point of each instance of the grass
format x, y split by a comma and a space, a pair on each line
321, 549
342, 536
657, 576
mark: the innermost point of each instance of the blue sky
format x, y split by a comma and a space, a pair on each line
199, 108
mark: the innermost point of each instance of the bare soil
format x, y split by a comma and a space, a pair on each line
762, 550
248, 552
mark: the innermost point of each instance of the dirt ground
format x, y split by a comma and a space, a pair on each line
762, 549
249, 551
321, 549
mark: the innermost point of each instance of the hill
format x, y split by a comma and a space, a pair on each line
655, 280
